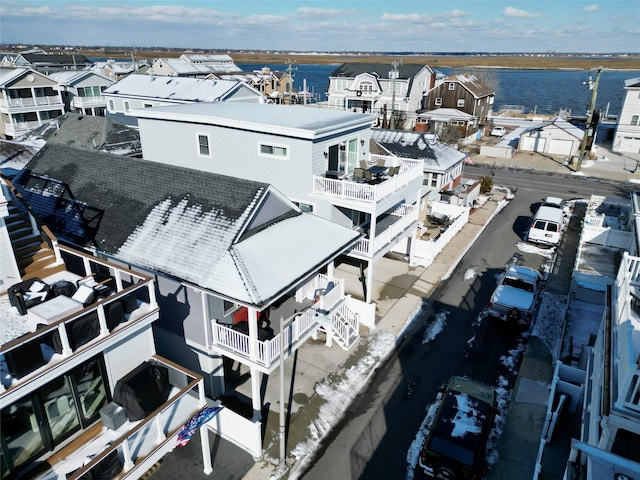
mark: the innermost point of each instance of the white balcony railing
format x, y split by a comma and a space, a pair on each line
94, 101
20, 127
348, 189
407, 215
267, 352
142, 443
32, 101
60, 332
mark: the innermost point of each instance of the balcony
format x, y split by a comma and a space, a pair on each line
349, 192
88, 102
330, 312
33, 101
18, 128
388, 230
40, 344
138, 445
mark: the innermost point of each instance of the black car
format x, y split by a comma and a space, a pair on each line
455, 447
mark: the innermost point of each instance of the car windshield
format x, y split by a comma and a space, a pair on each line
449, 449
517, 283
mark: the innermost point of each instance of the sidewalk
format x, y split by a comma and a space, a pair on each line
399, 290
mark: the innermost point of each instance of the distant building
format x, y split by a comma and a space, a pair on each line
82, 91
146, 91
627, 137
392, 92
28, 99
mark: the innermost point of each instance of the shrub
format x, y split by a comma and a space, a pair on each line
486, 184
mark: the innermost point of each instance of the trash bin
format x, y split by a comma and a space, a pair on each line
113, 416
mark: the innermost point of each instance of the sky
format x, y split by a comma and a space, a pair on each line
329, 26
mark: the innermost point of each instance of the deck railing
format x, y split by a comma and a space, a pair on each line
155, 433
59, 334
407, 215
32, 101
267, 352
347, 188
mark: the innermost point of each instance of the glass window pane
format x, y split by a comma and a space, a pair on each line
91, 390
60, 409
21, 433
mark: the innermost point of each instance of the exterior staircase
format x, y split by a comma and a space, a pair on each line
345, 327
34, 257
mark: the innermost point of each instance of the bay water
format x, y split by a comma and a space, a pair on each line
542, 91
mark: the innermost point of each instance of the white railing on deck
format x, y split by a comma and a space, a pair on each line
162, 423
89, 101
63, 326
408, 214
364, 192
33, 101
20, 126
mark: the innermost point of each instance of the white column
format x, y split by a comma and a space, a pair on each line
369, 281
256, 401
252, 319
206, 450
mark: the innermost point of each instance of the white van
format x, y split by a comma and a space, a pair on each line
546, 226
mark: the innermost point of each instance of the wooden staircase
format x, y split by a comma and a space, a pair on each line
34, 256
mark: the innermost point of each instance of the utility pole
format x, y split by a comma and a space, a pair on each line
593, 86
395, 64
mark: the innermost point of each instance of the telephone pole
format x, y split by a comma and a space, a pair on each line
593, 86
395, 64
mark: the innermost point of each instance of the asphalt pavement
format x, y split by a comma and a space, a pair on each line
399, 290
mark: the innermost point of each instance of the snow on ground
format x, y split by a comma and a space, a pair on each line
13, 324
414, 449
525, 247
434, 328
471, 273
548, 323
512, 360
338, 390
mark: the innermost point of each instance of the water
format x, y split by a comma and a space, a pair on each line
545, 91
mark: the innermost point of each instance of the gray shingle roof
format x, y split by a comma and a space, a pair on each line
191, 224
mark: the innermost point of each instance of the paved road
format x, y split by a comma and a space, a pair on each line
384, 421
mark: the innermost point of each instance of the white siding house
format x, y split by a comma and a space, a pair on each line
627, 138
557, 137
313, 156
28, 99
136, 91
82, 91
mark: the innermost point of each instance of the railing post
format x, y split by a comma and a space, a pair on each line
160, 436
64, 340
102, 320
87, 265
152, 293
126, 454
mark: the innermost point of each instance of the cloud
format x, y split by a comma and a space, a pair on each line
309, 12
517, 13
591, 8
459, 13
403, 17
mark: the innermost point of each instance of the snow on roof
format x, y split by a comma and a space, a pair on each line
632, 82
9, 74
182, 67
172, 88
418, 146
560, 123
446, 114
294, 120
471, 83
68, 77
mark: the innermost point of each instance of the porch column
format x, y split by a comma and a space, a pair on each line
369, 281
331, 270
256, 401
252, 319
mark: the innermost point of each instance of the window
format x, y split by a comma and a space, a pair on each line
460, 102
203, 145
305, 207
634, 120
229, 307
147, 105
434, 180
438, 101
112, 108
273, 151
126, 107
452, 86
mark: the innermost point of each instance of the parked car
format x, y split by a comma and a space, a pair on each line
517, 295
456, 445
498, 131
548, 222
